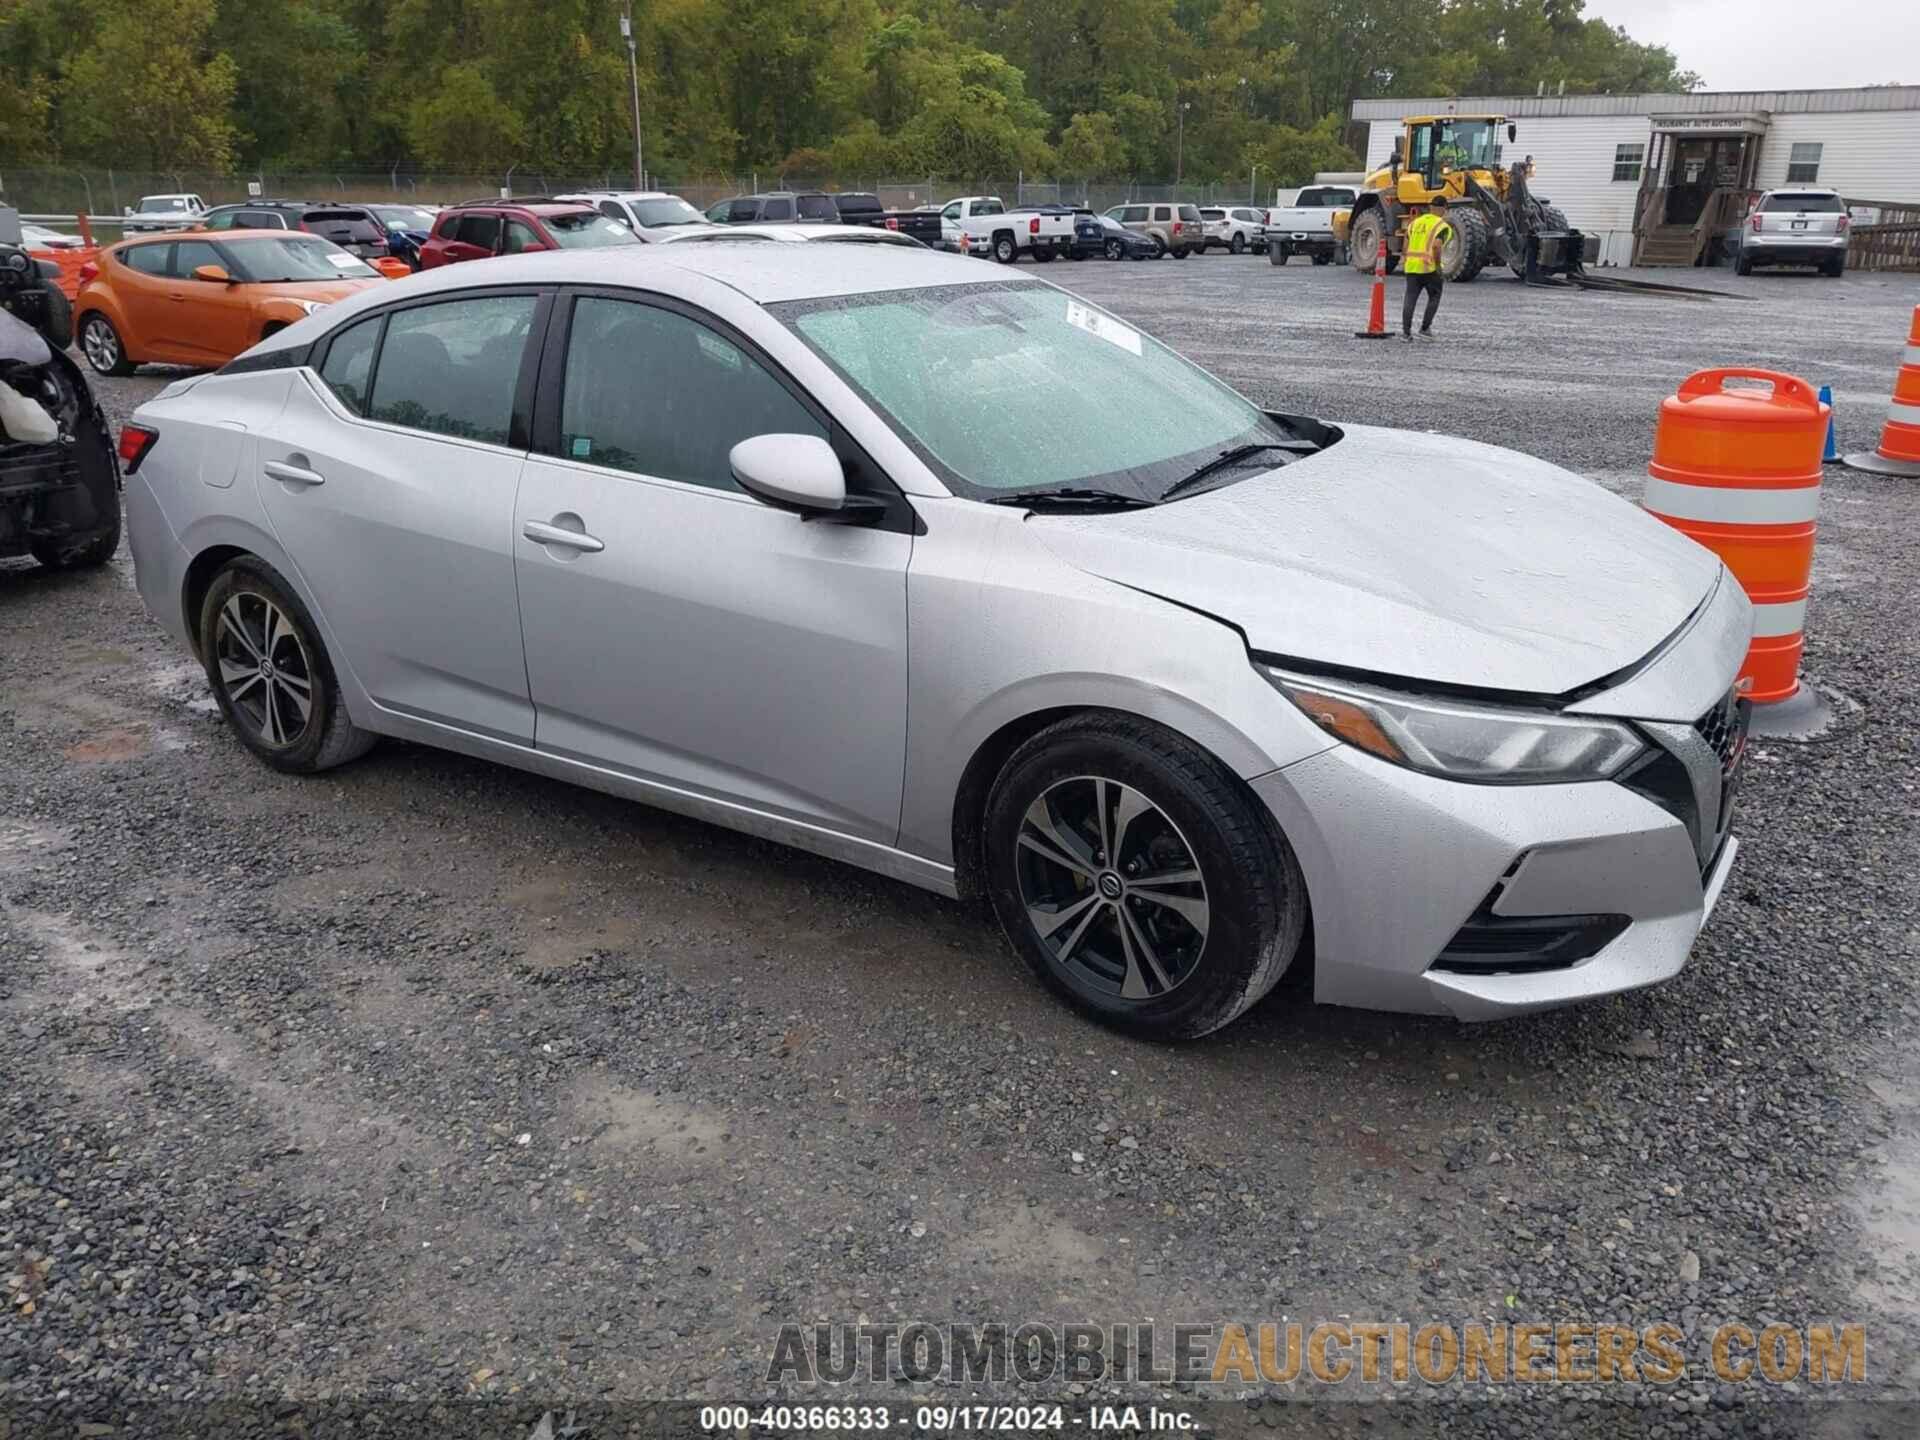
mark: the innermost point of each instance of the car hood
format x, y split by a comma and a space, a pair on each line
325, 291
1413, 555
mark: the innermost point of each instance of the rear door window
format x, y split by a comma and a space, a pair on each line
777, 210
482, 230
349, 363
222, 220
743, 210
261, 220
147, 259
818, 207
451, 368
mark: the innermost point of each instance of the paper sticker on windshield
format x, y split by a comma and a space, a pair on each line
1105, 326
344, 262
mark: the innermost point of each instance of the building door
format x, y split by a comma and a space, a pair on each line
1700, 165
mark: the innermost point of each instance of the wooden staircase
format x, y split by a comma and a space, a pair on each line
1668, 245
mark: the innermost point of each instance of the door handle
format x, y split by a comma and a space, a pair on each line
293, 474
543, 533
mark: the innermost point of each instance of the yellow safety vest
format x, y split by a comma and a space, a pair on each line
1419, 236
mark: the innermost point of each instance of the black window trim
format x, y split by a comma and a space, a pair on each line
865, 478
519, 420
165, 272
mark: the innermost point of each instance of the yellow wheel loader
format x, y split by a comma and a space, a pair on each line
1495, 218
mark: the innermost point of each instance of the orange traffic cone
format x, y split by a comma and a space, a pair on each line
1899, 452
1377, 311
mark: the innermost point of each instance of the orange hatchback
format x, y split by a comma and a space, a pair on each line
202, 299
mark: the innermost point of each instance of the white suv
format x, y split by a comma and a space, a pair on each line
649, 214
1238, 228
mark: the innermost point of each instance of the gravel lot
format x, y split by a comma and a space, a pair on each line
429, 1079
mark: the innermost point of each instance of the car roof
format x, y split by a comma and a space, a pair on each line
766, 274
790, 234
618, 195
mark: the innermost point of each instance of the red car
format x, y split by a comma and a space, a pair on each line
485, 228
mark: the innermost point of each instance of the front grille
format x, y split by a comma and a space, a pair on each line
1678, 775
37, 467
1725, 728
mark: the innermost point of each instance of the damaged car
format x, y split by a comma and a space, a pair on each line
817, 543
59, 476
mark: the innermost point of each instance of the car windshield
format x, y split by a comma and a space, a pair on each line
1466, 144
164, 202
970, 376
1804, 203
294, 257
1107, 222
587, 230
673, 211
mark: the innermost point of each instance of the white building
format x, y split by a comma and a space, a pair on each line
1676, 169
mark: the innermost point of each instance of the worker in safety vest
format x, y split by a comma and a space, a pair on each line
1425, 236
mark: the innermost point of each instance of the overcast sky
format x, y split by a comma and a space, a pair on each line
1779, 44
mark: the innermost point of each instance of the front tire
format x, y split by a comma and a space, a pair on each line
1004, 250
1138, 878
102, 346
1115, 250
270, 674
1472, 243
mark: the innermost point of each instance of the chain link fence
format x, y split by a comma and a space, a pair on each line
109, 193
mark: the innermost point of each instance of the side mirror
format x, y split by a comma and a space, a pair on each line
1513, 133
214, 273
126, 209
790, 472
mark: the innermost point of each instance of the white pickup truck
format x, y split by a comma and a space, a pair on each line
982, 225
1314, 224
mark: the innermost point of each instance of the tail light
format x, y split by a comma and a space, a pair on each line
1754, 220
1176, 227
86, 272
1033, 226
135, 442
1844, 223
893, 222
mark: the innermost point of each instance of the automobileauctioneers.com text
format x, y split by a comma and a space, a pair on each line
1326, 1353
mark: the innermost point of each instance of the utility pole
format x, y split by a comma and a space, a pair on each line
633, 78
1179, 143
1253, 189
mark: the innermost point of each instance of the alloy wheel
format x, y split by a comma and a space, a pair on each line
1114, 249
101, 345
1112, 888
264, 669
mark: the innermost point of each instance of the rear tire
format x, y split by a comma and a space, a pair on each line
1238, 245
1742, 265
1172, 958
106, 352
1042, 255
1159, 247
1834, 268
1181, 252
1321, 257
270, 674
1278, 254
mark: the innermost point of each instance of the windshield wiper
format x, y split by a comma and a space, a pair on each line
1110, 499
1231, 457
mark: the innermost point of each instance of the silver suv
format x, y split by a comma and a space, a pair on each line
1794, 227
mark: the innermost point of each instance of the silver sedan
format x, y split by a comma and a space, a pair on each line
946, 573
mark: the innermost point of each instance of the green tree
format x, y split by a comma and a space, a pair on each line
1091, 148
151, 87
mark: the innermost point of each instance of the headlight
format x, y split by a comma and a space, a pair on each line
1458, 740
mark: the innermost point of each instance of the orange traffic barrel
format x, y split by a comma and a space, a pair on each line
1739, 471
1899, 452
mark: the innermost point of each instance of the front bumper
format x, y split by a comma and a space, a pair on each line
1397, 863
